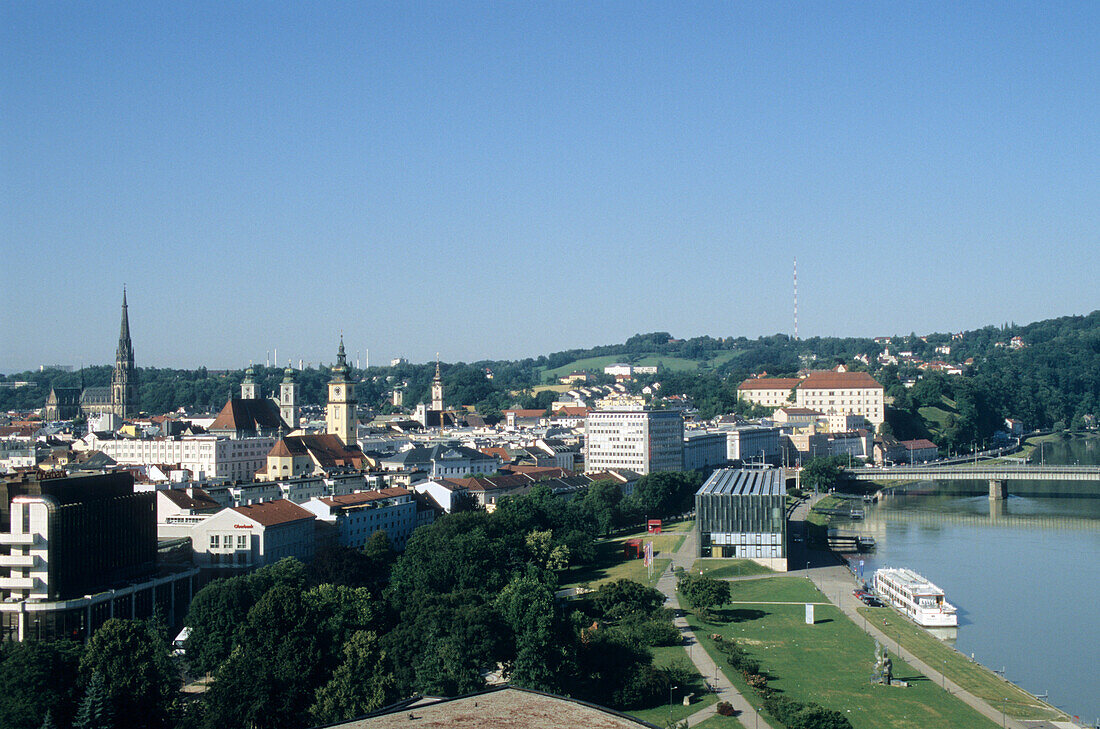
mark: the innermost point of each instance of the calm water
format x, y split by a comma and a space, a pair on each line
1026, 577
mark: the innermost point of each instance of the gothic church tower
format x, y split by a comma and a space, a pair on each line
123, 381
340, 413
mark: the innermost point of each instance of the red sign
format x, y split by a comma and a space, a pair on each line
242, 526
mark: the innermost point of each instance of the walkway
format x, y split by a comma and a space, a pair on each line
746, 714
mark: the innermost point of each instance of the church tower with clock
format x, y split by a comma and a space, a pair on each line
340, 413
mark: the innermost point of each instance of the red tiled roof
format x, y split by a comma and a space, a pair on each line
571, 410
918, 444
242, 414
770, 383
526, 413
822, 380
273, 513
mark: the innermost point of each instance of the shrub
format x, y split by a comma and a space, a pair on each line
725, 708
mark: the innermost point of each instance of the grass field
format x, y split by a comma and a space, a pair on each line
666, 656
719, 722
722, 568
972, 676
829, 662
610, 564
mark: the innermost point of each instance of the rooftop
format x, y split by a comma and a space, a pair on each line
503, 708
746, 482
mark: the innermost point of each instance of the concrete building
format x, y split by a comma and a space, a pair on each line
705, 450
247, 537
442, 461
753, 444
770, 392
828, 392
741, 513
646, 441
81, 550
855, 393
206, 456
353, 518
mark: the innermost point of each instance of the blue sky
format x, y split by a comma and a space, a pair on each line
508, 179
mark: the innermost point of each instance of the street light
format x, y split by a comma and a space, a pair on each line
670, 690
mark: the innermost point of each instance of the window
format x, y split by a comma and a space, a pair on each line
242, 541
214, 539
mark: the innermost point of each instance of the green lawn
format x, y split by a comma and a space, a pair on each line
665, 656
610, 564
676, 364
720, 722
722, 568
829, 662
973, 677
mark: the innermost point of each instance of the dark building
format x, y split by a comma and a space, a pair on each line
82, 549
742, 513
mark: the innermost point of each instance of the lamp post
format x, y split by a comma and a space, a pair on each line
670, 690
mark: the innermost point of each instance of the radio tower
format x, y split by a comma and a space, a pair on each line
796, 299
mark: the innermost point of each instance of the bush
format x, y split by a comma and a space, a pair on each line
652, 632
725, 708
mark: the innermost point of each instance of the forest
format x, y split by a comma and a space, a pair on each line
1053, 381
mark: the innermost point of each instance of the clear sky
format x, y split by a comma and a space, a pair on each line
508, 179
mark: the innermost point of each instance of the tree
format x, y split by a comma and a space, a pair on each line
359, 685
36, 677
703, 592
216, 613
527, 606
133, 658
623, 598
602, 501
96, 711
823, 473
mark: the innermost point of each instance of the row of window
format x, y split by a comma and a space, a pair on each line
225, 541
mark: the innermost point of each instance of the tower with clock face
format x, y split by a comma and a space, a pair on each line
340, 413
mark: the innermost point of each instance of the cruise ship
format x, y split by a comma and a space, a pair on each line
916, 598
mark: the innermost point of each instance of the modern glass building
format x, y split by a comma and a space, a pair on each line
742, 513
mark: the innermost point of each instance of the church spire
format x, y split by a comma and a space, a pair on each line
125, 347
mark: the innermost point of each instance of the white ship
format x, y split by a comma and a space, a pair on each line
916, 598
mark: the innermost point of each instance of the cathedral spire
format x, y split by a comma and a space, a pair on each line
125, 348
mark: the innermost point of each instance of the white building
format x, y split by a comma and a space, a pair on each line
855, 393
355, 517
244, 537
618, 370
206, 456
646, 441
770, 392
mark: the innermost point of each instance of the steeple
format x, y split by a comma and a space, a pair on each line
340, 370
248, 384
123, 380
125, 349
437, 387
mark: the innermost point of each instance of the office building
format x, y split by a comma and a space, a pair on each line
646, 441
742, 513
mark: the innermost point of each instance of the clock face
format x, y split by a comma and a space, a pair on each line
336, 391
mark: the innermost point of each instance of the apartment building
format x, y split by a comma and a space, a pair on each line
645, 441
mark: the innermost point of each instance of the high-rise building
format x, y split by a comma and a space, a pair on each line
645, 441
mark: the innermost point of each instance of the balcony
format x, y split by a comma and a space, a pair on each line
18, 583
21, 561
17, 539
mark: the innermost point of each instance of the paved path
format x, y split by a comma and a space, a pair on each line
712, 674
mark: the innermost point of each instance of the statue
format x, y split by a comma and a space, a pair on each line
884, 667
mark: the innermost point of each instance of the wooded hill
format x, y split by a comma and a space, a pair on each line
1054, 380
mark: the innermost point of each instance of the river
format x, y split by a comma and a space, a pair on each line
1024, 573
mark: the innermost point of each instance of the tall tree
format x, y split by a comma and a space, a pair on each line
133, 658
96, 710
36, 677
359, 685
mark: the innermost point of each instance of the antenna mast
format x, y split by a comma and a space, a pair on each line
796, 299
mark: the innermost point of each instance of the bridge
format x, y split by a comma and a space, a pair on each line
998, 475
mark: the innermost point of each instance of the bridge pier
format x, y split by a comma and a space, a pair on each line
998, 488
